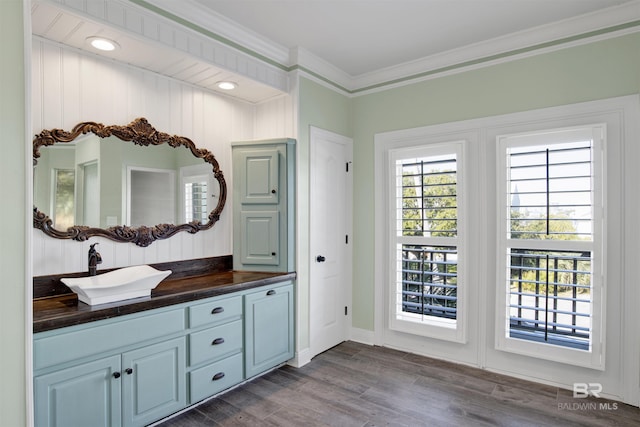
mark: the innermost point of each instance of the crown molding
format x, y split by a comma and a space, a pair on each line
558, 35
321, 70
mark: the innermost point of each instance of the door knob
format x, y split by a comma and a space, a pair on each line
320, 258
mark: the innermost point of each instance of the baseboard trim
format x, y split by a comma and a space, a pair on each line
362, 336
301, 358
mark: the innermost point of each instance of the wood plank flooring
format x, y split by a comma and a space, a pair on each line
358, 385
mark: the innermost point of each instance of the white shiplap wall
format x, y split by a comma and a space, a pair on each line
71, 87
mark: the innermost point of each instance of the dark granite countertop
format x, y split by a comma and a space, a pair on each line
60, 311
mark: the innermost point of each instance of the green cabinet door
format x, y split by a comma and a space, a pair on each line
83, 395
154, 382
264, 205
269, 337
260, 238
259, 182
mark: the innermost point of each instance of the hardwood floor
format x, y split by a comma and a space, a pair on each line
358, 385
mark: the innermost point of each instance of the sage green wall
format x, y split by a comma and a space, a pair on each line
13, 216
599, 70
323, 108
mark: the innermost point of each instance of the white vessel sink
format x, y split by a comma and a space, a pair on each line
117, 285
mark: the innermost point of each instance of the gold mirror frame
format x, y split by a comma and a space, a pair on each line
139, 132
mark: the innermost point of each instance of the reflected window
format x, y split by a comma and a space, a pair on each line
63, 198
195, 198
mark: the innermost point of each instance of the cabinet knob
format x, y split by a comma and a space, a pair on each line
218, 376
273, 254
129, 371
273, 191
217, 310
217, 341
116, 375
320, 258
271, 292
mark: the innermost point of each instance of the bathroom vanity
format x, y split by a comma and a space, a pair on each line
134, 362
212, 324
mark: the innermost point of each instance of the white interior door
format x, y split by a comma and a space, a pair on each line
330, 247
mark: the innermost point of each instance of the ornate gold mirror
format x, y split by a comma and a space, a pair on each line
118, 181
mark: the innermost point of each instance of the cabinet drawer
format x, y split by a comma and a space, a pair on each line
214, 378
217, 311
214, 343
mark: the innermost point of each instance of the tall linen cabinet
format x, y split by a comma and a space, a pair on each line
264, 205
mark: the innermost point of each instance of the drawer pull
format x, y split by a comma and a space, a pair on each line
217, 310
217, 341
271, 292
218, 376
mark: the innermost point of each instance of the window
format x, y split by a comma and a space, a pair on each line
64, 207
196, 190
545, 247
551, 237
426, 237
195, 199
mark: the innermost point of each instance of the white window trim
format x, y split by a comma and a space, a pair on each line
407, 145
432, 326
594, 358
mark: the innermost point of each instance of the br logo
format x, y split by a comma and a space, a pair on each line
584, 390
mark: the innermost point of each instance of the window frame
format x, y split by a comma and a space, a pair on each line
434, 327
594, 357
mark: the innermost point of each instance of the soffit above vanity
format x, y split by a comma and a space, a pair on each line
157, 44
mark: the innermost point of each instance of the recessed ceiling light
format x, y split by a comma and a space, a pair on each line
101, 43
227, 85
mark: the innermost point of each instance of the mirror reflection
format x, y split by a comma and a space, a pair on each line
119, 182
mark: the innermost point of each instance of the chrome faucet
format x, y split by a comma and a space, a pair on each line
94, 260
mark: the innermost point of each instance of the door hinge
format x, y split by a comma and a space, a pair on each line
345, 310
346, 239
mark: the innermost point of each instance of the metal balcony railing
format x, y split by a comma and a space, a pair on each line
430, 280
550, 297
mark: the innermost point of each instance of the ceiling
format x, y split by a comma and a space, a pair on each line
364, 36
350, 43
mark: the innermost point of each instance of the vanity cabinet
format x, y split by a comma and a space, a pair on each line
153, 382
138, 368
264, 189
131, 389
268, 328
83, 395
128, 388
215, 352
